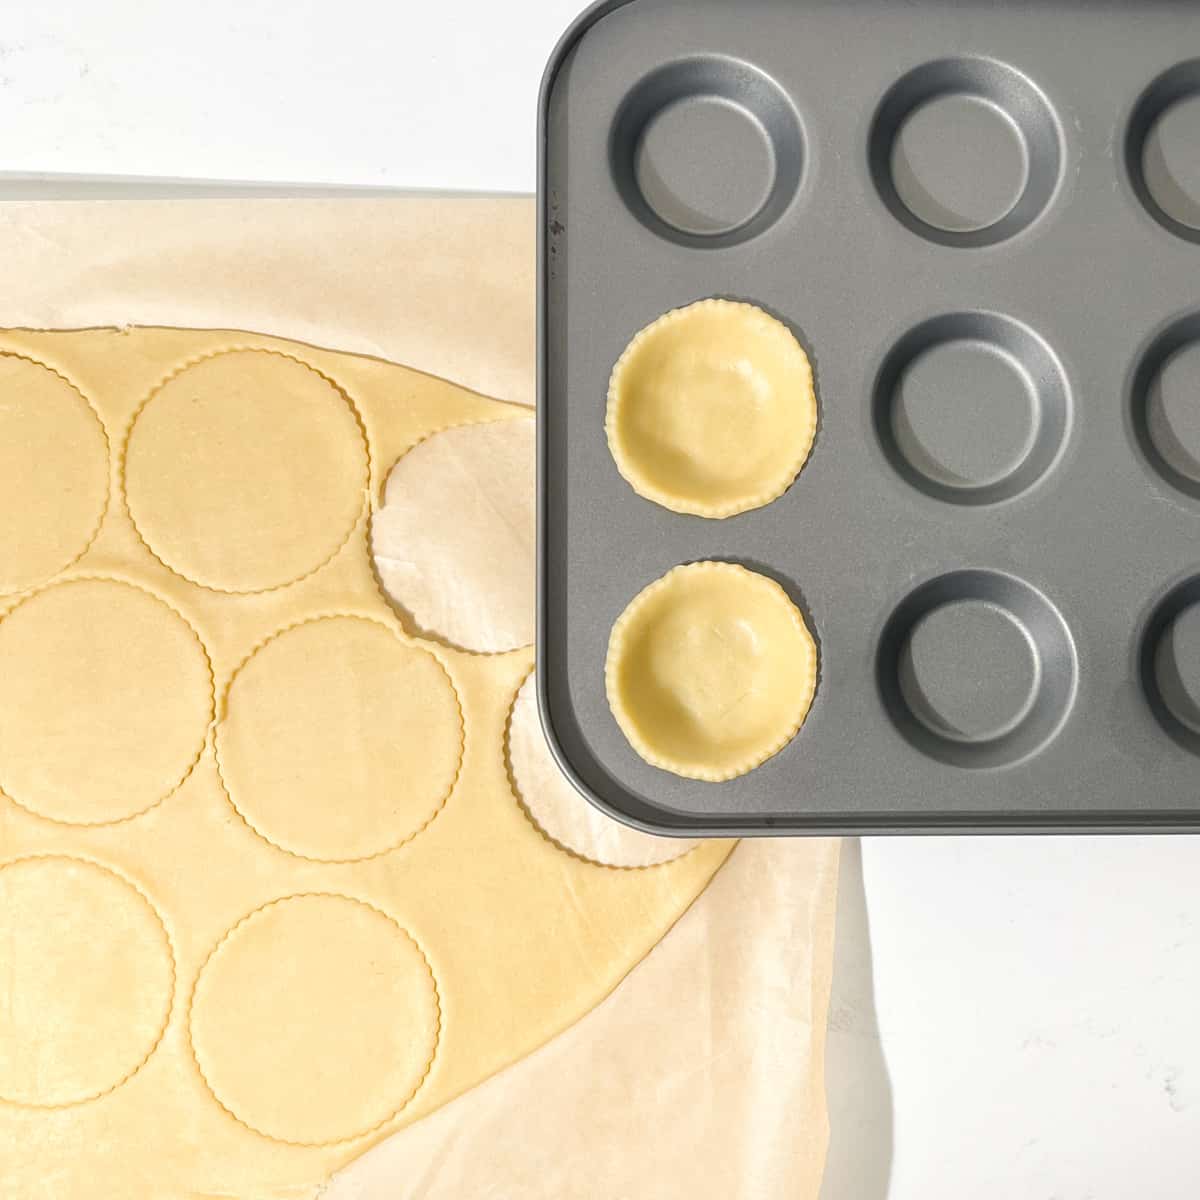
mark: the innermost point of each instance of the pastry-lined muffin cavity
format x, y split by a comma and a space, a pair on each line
710, 671
711, 409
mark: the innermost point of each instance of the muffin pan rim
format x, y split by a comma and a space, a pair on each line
556, 714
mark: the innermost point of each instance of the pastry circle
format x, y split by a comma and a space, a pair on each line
339, 740
710, 671
315, 1020
75, 934
105, 701
53, 473
711, 409
245, 471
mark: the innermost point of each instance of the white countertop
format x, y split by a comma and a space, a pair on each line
1012, 1018
382, 93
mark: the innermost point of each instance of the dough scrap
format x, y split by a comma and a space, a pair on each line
312, 1021
711, 409
710, 671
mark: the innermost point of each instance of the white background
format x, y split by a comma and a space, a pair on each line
440, 94
1013, 1019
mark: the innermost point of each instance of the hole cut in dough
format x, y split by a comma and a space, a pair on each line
710, 671
106, 697
560, 812
53, 473
711, 409
73, 934
454, 541
246, 471
315, 1019
339, 740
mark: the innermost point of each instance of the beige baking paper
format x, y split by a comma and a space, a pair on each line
702, 1074
700, 1077
434, 284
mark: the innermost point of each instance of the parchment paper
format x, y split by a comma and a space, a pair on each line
702, 1074
442, 285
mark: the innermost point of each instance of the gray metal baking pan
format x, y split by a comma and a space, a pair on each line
982, 219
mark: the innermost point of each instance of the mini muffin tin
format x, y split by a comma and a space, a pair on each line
982, 220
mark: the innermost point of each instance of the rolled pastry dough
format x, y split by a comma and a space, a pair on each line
266, 892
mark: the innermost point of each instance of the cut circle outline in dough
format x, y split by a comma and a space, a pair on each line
638, 467
454, 634
85, 544
171, 985
23, 802
260, 913
656, 852
623, 648
336, 546
222, 718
